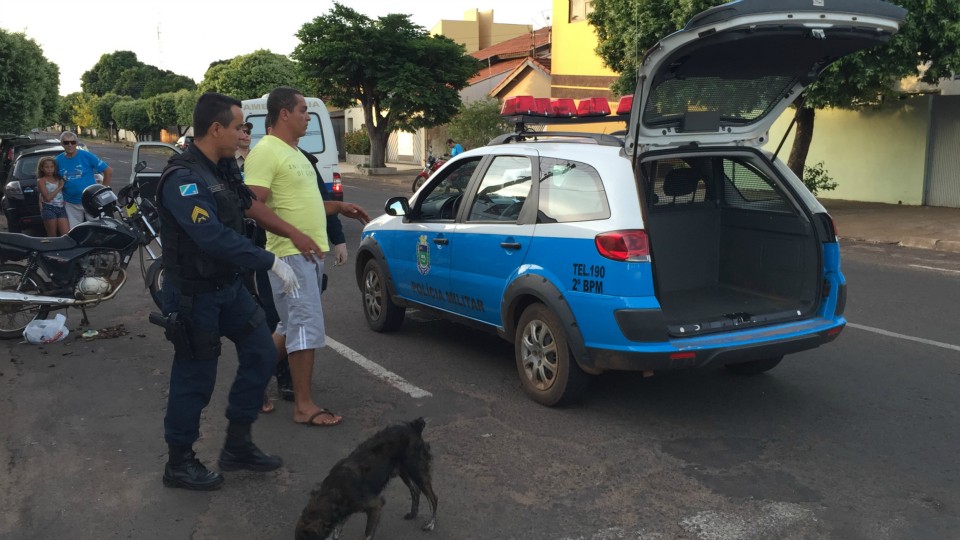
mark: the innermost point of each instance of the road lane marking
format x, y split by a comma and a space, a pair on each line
902, 336
377, 370
935, 268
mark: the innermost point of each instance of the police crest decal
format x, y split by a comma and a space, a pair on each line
423, 255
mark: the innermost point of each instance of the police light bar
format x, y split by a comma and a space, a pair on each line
564, 107
625, 105
523, 110
593, 107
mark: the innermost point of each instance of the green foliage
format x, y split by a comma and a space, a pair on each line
123, 74
251, 75
29, 85
357, 142
403, 77
186, 102
103, 110
477, 123
82, 114
162, 110
133, 115
816, 179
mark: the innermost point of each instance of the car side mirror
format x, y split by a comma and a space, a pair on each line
140, 167
397, 206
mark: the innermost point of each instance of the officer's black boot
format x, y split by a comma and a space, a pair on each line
239, 452
184, 470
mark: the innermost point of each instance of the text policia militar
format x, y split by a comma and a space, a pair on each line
449, 297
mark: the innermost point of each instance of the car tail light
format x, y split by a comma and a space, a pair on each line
337, 183
593, 107
625, 105
628, 245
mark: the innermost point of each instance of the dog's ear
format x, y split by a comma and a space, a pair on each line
418, 425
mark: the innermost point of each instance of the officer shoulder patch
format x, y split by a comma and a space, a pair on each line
199, 215
187, 190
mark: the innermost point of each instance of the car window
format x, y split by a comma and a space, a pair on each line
505, 187
441, 199
312, 141
570, 191
748, 188
26, 166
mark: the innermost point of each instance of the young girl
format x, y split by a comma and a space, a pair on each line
50, 186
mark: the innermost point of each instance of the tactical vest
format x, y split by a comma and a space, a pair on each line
182, 258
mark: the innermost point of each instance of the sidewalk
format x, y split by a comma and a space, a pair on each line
924, 227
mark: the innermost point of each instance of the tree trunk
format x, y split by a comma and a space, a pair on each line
801, 141
378, 145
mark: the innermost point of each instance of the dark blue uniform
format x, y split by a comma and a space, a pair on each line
207, 255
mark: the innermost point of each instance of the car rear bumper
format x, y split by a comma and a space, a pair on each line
711, 351
22, 215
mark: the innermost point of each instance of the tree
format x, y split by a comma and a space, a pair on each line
103, 111
162, 109
82, 114
186, 101
251, 75
123, 74
29, 84
477, 123
403, 77
132, 115
925, 46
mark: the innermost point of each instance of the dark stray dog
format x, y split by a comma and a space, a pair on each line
355, 483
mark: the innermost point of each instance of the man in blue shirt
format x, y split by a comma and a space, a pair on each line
77, 167
454, 147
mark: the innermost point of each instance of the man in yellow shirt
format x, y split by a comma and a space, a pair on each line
285, 181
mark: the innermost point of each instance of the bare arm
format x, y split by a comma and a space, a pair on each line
346, 209
107, 176
42, 188
269, 220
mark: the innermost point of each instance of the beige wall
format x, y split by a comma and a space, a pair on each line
875, 155
478, 31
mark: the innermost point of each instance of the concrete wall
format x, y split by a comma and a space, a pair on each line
875, 155
478, 31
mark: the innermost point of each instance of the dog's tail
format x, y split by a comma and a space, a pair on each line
418, 425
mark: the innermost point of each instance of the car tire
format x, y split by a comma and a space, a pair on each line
378, 308
754, 367
548, 371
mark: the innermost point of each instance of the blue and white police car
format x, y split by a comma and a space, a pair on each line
683, 244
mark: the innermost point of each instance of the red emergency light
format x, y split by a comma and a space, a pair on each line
564, 107
593, 107
518, 105
625, 105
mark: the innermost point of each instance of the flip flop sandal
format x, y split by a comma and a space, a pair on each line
331, 414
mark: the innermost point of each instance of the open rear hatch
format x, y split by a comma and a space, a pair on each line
733, 69
732, 243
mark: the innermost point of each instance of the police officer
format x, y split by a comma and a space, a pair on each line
201, 200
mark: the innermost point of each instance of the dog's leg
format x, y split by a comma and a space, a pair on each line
338, 528
372, 507
414, 493
421, 477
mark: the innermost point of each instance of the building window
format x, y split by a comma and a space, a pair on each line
579, 9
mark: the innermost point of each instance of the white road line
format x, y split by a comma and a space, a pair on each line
902, 336
935, 268
377, 370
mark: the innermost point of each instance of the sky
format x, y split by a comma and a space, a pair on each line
186, 36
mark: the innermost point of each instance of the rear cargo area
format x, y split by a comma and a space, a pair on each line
728, 246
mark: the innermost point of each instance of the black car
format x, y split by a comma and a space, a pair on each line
20, 203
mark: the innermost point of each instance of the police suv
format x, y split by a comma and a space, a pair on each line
680, 245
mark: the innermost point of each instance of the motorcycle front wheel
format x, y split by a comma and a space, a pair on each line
418, 181
155, 277
15, 317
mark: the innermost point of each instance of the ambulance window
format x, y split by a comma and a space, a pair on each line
313, 141
570, 191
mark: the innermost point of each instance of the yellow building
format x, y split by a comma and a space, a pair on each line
577, 72
478, 31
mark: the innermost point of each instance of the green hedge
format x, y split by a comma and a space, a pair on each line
357, 142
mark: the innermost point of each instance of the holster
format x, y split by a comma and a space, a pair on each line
176, 332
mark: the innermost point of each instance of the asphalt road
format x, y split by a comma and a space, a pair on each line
854, 440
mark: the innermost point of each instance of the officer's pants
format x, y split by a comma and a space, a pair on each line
226, 313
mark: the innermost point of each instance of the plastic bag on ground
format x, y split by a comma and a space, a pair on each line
42, 331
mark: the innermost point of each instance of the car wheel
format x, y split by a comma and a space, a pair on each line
548, 372
754, 367
381, 313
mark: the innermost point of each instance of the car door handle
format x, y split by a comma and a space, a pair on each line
510, 245
441, 241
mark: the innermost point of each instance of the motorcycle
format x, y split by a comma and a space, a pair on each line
431, 165
81, 269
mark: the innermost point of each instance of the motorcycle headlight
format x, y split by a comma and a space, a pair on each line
13, 190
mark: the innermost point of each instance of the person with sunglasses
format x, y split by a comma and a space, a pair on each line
244, 148
77, 168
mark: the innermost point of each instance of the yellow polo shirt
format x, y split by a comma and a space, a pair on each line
294, 195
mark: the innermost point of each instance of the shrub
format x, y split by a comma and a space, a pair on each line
816, 179
357, 142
